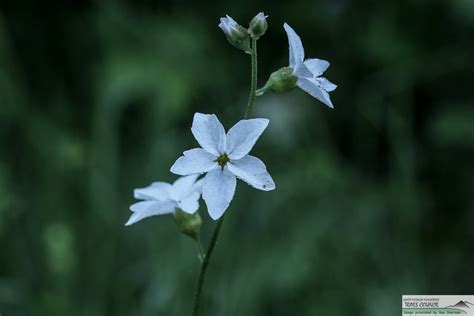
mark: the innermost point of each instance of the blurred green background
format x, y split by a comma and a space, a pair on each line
374, 199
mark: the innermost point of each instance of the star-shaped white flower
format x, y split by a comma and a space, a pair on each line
309, 71
163, 198
224, 157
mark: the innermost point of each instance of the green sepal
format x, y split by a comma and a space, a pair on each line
280, 81
188, 224
240, 39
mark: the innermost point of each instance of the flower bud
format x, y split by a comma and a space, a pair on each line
236, 34
258, 26
281, 80
189, 224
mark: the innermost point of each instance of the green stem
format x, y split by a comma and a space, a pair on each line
204, 264
253, 82
215, 234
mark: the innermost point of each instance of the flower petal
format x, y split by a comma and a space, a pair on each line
314, 90
146, 209
209, 133
253, 171
302, 71
184, 186
191, 203
194, 161
158, 191
326, 84
243, 136
218, 190
296, 47
317, 66
198, 186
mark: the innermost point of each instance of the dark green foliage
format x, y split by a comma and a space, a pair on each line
374, 199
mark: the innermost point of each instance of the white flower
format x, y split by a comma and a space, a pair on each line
308, 71
163, 198
224, 157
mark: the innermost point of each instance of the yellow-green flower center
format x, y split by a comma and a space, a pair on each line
223, 160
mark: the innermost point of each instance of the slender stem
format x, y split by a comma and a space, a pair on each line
204, 264
253, 82
217, 229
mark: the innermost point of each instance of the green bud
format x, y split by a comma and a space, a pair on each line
236, 34
189, 224
281, 80
258, 26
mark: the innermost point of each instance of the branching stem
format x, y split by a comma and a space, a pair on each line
217, 229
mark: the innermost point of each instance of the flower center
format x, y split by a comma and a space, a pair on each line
223, 160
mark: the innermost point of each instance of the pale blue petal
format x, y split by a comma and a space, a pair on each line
218, 190
146, 209
313, 89
194, 161
243, 136
296, 47
317, 66
209, 133
326, 84
190, 204
302, 71
253, 171
198, 186
184, 186
158, 191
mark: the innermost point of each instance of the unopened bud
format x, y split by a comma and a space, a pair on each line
258, 26
236, 34
189, 224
